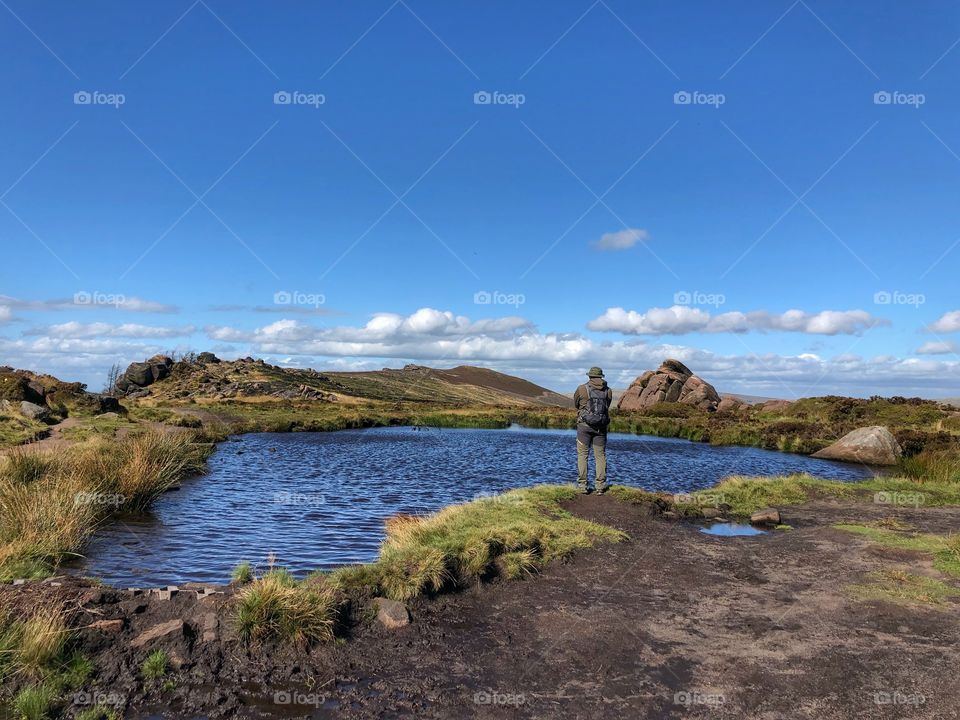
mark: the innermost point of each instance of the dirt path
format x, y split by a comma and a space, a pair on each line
673, 623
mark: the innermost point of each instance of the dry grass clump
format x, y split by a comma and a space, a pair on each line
277, 607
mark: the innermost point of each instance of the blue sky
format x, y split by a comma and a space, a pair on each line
766, 191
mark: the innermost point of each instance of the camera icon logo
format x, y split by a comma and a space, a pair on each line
682, 97
282, 297
882, 97
882, 297
482, 97
282, 97
82, 97
682, 297
482, 297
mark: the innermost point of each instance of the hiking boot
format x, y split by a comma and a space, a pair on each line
601, 489
584, 490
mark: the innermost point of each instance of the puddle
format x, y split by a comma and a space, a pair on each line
729, 529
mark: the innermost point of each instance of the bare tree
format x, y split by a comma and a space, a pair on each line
113, 374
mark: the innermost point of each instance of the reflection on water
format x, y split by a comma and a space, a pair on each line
318, 500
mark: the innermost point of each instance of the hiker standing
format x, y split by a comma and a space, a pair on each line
592, 401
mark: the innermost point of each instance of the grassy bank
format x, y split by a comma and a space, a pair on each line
51, 501
508, 536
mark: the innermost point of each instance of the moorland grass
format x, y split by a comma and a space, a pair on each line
944, 549
903, 587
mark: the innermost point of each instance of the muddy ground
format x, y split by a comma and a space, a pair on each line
672, 623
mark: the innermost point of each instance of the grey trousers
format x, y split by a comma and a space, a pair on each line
598, 440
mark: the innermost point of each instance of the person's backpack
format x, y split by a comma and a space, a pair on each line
596, 414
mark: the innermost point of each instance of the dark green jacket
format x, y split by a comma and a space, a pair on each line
581, 400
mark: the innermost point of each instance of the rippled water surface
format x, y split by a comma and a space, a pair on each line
318, 500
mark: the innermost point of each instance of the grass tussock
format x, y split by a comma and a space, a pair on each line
276, 606
35, 702
42, 641
50, 502
155, 666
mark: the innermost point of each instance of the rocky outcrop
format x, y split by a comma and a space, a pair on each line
870, 445
140, 375
671, 382
773, 405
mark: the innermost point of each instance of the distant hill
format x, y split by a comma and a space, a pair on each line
206, 376
955, 402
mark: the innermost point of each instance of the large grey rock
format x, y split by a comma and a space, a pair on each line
874, 445
671, 382
34, 411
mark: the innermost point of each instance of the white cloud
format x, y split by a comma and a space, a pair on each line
942, 347
683, 319
511, 344
6, 314
74, 329
949, 323
621, 240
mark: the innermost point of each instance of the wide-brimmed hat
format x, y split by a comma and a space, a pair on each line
595, 372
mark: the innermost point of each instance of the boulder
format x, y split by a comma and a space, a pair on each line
671, 382
731, 404
207, 358
766, 516
391, 614
107, 404
34, 412
774, 405
141, 374
874, 445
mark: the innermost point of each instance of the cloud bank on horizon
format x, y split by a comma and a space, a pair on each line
514, 344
